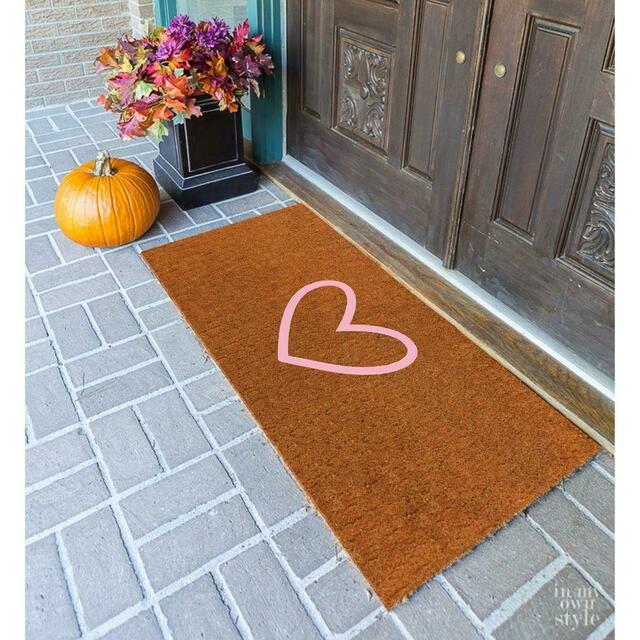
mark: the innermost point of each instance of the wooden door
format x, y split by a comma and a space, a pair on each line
379, 100
537, 226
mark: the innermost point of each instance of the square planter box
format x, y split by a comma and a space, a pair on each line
202, 160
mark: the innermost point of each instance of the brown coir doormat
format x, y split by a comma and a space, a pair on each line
411, 442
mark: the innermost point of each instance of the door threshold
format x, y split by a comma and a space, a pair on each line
575, 388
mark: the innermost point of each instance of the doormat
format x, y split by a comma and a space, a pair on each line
410, 441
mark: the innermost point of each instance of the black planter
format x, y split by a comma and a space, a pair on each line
202, 160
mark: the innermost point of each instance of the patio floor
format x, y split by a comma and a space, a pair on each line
155, 507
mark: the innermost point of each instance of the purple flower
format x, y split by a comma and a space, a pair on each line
178, 34
168, 49
181, 28
211, 34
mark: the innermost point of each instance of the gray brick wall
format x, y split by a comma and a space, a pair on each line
63, 38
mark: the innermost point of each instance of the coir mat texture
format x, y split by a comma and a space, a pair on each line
411, 459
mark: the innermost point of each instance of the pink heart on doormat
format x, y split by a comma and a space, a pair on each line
344, 325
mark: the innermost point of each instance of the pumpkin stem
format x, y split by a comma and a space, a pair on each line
102, 165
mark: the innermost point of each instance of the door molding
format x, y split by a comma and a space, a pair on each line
455, 215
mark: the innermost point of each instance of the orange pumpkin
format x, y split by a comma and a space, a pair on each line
106, 203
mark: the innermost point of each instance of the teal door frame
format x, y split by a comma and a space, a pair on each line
165, 10
267, 113
266, 118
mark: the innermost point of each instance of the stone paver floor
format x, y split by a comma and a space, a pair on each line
156, 508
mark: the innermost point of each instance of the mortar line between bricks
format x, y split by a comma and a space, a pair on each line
130, 403
160, 235
75, 157
404, 632
83, 388
64, 307
28, 427
234, 399
603, 472
72, 133
30, 192
140, 571
240, 624
161, 326
67, 570
524, 594
332, 563
586, 512
35, 343
360, 626
55, 247
27, 374
127, 539
231, 604
70, 283
152, 305
574, 563
104, 347
40, 219
242, 437
86, 279
464, 607
289, 521
36, 442
56, 528
42, 484
153, 443
601, 632
121, 618
183, 518
96, 329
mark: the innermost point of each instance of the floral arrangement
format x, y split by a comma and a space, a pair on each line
156, 78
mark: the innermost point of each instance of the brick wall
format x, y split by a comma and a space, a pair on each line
63, 38
142, 15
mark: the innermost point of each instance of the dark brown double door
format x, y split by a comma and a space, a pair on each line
514, 188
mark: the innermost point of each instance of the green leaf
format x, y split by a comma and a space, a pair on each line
178, 72
157, 131
143, 89
126, 65
178, 118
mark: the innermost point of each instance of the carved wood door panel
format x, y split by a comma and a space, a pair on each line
378, 104
537, 226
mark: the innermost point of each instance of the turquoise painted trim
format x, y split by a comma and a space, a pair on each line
165, 10
265, 16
